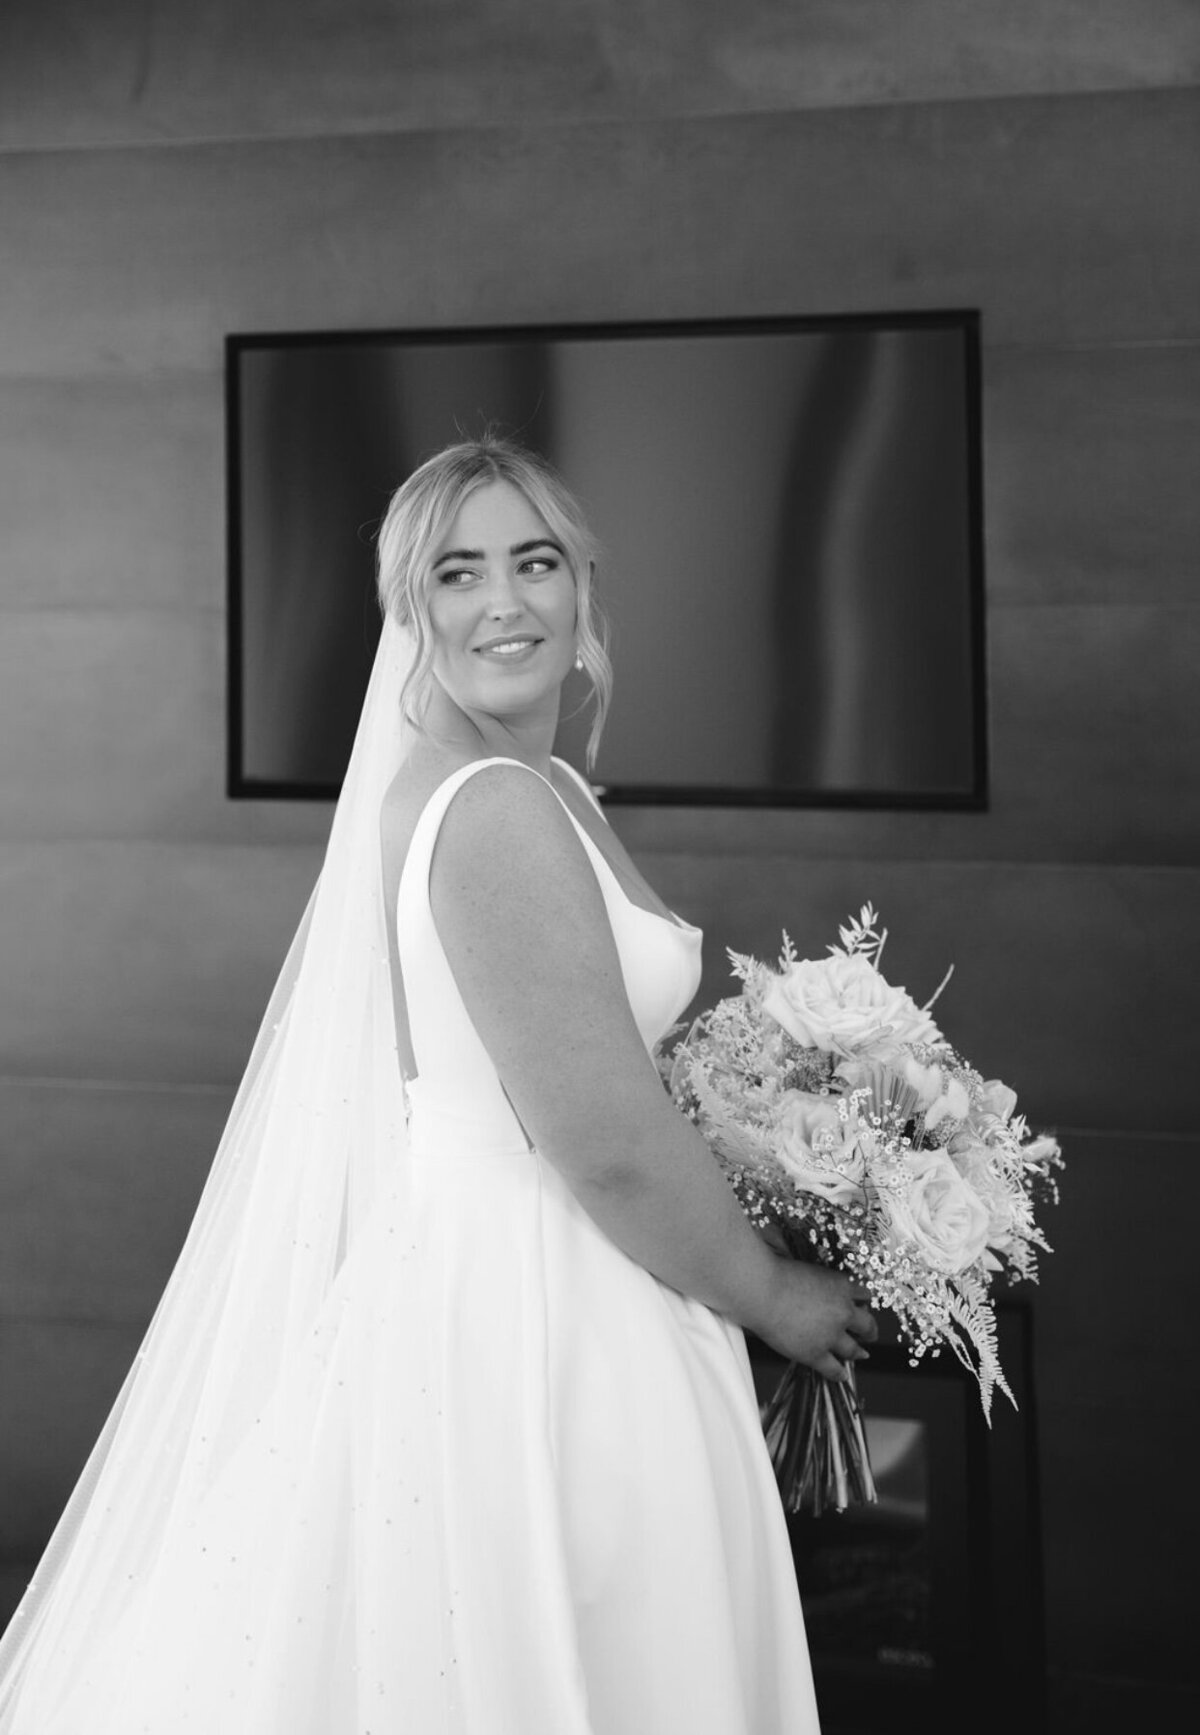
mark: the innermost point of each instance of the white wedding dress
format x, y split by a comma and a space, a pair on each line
512, 1484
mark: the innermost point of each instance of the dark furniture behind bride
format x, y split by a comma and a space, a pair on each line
909, 1602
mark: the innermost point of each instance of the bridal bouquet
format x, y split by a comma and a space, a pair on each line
853, 1133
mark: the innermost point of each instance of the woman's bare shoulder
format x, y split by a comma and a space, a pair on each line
505, 799
506, 840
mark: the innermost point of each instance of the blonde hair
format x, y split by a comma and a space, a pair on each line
418, 515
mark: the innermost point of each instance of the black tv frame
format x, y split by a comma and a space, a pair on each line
241, 787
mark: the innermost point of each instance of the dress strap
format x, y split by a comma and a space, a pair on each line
423, 962
581, 780
414, 875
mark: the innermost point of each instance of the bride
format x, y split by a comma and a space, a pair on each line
444, 1424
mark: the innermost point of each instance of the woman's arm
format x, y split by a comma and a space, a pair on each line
523, 923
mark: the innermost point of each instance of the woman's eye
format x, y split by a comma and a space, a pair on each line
536, 566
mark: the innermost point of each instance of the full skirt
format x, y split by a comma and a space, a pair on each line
512, 1485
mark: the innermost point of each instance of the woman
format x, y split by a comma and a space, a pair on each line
445, 1423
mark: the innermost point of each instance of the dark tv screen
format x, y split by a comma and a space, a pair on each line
790, 517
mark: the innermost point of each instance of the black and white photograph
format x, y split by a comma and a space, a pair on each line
599, 866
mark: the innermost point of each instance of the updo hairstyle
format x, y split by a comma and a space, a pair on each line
420, 512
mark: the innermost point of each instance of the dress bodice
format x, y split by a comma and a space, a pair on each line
456, 1082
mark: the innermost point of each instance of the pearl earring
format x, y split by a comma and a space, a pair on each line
579, 662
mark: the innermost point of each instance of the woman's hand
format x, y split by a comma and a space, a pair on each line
818, 1317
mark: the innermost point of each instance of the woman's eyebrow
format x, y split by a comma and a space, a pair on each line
478, 553
538, 542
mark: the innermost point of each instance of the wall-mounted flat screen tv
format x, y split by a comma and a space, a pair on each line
790, 513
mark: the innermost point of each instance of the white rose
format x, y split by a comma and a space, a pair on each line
816, 1149
997, 1100
974, 1163
842, 1004
941, 1213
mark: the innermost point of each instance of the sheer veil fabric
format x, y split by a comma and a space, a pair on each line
242, 1361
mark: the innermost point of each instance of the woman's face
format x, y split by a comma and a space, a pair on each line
502, 607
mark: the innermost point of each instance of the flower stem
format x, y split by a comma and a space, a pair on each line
817, 1442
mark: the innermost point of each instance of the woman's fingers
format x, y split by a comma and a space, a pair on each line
865, 1327
830, 1368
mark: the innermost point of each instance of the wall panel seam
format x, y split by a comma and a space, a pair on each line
621, 123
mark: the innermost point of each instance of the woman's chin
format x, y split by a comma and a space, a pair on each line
530, 686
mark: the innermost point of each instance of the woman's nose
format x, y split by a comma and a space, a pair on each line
502, 598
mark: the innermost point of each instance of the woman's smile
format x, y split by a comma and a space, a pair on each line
509, 650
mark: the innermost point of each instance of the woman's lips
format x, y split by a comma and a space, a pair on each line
515, 650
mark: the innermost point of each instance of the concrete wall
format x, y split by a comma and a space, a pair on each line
174, 170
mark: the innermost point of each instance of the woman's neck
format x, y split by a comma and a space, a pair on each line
529, 738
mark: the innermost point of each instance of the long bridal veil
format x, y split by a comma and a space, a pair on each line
232, 1373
